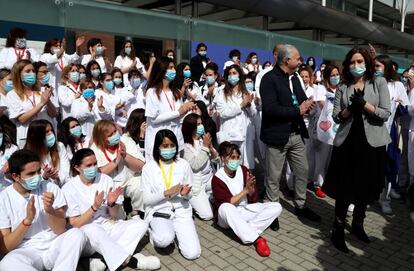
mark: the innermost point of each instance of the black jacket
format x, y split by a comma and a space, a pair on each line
197, 68
279, 116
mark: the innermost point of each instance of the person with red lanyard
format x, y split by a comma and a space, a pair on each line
234, 201
56, 58
16, 49
112, 157
68, 90
71, 135
25, 102
164, 105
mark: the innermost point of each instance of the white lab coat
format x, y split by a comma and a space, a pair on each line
64, 163
40, 248
8, 56
87, 58
161, 115
110, 101
55, 65
139, 101
128, 98
115, 240
67, 95
180, 224
123, 62
4, 157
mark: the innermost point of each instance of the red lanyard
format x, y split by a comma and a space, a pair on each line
172, 106
60, 63
74, 88
34, 100
107, 157
18, 55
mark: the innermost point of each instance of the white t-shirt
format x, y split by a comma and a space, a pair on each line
398, 95
87, 58
9, 56
67, 95
119, 174
13, 211
80, 197
135, 151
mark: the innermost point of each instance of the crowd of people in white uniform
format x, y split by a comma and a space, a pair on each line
94, 155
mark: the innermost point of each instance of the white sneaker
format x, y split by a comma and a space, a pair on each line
147, 262
394, 194
96, 264
412, 216
351, 208
385, 207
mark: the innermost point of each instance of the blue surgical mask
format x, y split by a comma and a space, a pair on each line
82, 76
168, 154
250, 86
21, 43
32, 183
74, 77
135, 83
358, 71
128, 50
233, 164
202, 53
334, 80
310, 63
95, 73
76, 131
99, 50
210, 80
114, 139
45, 79
88, 93
1, 139
29, 79
90, 173
109, 85
117, 81
170, 75
56, 50
187, 74
50, 140
8, 85
379, 73
404, 80
233, 79
200, 130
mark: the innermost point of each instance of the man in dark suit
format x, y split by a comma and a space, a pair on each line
284, 103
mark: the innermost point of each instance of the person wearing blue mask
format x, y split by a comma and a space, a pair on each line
167, 185
128, 60
68, 90
399, 102
111, 102
26, 102
235, 106
235, 201
182, 81
356, 171
56, 57
6, 85
94, 201
72, 137
7, 148
127, 98
93, 72
88, 109
137, 83
33, 223
96, 53
164, 104
199, 62
41, 139
201, 155
209, 87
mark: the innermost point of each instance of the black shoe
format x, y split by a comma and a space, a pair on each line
357, 229
275, 224
307, 213
338, 236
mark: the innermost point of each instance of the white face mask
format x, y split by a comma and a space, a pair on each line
235, 58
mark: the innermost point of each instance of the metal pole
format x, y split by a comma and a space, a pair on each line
371, 7
403, 10
324, 3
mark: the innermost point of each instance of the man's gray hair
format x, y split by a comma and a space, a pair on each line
284, 52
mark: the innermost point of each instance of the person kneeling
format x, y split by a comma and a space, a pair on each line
32, 221
234, 194
93, 204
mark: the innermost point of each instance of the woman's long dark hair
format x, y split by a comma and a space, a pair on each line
159, 138
157, 75
78, 158
133, 126
389, 73
208, 123
178, 82
132, 55
65, 136
7, 137
35, 141
228, 88
189, 127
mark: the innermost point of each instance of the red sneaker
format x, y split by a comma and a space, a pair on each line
261, 247
319, 193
